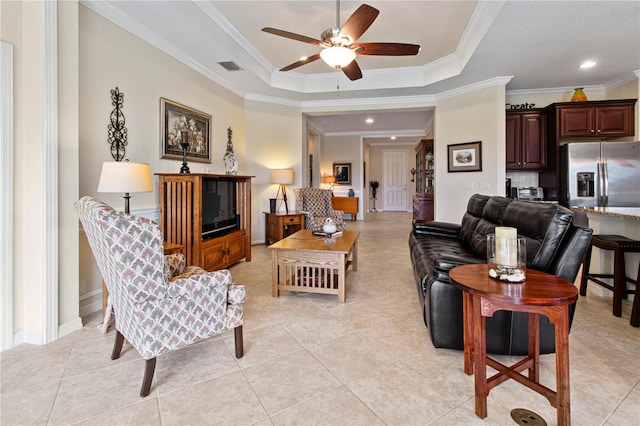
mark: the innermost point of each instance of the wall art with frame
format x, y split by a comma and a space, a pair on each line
342, 172
465, 157
176, 118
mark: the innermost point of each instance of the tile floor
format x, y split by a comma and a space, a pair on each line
311, 361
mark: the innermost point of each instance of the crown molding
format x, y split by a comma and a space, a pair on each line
379, 133
474, 87
265, 68
624, 79
479, 23
107, 11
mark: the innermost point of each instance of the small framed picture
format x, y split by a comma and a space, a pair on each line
175, 119
342, 172
465, 157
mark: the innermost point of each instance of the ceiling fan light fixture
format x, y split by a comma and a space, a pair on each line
338, 56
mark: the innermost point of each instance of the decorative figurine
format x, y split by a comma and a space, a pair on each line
230, 161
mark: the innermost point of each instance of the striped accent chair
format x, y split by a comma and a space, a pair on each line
159, 304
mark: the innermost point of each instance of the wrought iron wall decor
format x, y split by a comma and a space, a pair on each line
117, 132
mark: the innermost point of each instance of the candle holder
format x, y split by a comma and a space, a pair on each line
507, 258
184, 144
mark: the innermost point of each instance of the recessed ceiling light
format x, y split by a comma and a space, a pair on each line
393, 138
587, 64
369, 120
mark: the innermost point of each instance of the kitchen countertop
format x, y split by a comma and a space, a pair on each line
624, 212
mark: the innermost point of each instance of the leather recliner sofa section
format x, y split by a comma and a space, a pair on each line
554, 245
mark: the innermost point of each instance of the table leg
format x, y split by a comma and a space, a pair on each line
534, 346
274, 274
479, 357
562, 368
467, 314
341, 277
354, 257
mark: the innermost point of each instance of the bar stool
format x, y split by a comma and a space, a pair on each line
619, 245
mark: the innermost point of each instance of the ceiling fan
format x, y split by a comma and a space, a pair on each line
339, 44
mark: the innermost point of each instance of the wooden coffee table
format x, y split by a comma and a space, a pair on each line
313, 264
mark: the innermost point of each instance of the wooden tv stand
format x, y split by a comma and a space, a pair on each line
180, 198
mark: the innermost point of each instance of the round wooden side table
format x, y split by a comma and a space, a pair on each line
540, 294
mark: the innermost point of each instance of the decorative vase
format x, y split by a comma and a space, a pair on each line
351, 192
578, 95
329, 226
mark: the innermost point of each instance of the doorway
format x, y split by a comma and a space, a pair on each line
394, 178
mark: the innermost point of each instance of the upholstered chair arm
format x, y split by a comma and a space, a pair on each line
195, 279
173, 265
237, 294
336, 214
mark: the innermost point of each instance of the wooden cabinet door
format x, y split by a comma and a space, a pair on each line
614, 121
235, 248
534, 141
513, 141
577, 122
213, 254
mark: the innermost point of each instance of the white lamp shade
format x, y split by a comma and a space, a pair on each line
338, 56
123, 176
282, 176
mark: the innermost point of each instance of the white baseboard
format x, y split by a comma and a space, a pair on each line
70, 327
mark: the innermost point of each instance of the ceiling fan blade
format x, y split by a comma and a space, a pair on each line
293, 36
352, 71
301, 62
386, 49
359, 22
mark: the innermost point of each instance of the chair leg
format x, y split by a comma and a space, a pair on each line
585, 271
149, 369
117, 345
635, 309
237, 334
619, 282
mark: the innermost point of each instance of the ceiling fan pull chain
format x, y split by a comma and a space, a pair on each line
338, 14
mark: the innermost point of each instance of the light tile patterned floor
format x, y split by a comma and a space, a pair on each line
311, 361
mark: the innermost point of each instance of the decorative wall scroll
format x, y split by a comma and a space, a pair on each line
117, 132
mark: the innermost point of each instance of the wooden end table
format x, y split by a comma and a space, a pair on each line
540, 294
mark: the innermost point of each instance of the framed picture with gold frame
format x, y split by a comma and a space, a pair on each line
342, 172
175, 119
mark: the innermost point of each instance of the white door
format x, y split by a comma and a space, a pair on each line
394, 180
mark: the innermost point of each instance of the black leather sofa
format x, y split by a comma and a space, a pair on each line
554, 245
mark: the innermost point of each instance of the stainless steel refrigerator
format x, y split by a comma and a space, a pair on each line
600, 174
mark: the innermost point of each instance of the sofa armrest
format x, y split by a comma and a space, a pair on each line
437, 229
446, 262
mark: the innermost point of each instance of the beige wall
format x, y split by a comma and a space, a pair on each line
629, 90
476, 116
111, 57
274, 141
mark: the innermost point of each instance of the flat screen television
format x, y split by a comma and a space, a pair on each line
218, 207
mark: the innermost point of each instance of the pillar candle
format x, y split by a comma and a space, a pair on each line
506, 247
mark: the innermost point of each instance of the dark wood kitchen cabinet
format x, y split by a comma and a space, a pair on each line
526, 140
596, 119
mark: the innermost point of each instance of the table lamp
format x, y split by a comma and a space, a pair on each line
331, 180
123, 176
282, 177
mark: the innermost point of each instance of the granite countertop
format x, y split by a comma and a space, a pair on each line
624, 212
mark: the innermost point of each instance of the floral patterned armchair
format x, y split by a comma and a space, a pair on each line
316, 204
159, 305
